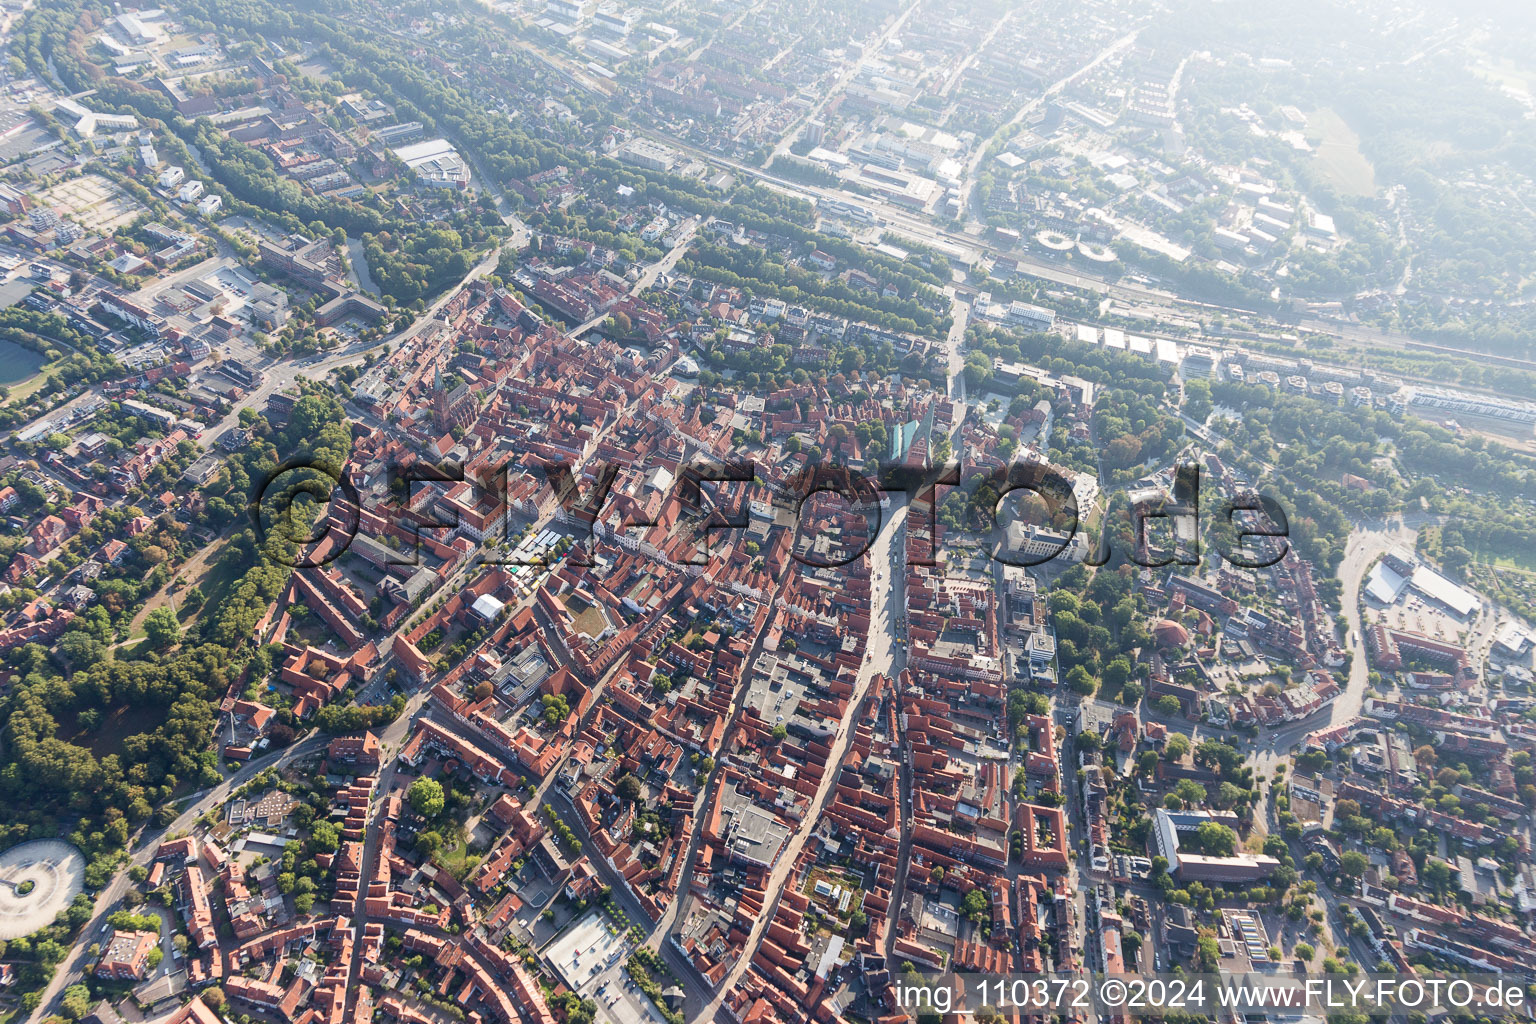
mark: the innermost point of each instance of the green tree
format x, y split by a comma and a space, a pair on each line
76, 1002
426, 797
1210, 954
1191, 792
162, 628
324, 837
1216, 839
976, 906
1197, 400
1353, 864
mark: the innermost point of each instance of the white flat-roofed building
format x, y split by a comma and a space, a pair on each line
1036, 318
608, 50
435, 163
88, 122
487, 607
137, 28
756, 837
1512, 640
1225, 238
614, 21
1459, 600
571, 12
647, 153
1320, 225
898, 186
1473, 405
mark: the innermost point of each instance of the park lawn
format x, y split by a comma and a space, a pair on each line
1338, 153
216, 581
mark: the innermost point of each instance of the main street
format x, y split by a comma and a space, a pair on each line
1055, 87
893, 658
1270, 747
72, 968
880, 654
972, 246
284, 373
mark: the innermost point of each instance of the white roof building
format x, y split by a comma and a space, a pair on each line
487, 607
436, 163
88, 122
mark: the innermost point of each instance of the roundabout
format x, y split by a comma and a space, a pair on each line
37, 880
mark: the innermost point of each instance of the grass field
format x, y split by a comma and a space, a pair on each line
1338, 153
1505, 73
1525, 563
458, 860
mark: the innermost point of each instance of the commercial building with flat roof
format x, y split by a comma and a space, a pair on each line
1191, 867
436, 163
756, 837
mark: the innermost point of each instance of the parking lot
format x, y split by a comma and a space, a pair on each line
1417, 615
585, 949
96, 203
592, 959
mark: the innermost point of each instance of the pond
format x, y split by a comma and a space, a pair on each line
16, 363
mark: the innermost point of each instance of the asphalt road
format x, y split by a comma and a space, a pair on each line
664, 265
694, 989
879, 656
